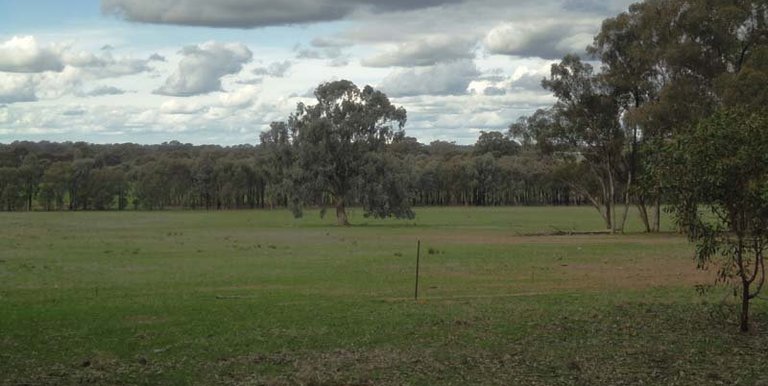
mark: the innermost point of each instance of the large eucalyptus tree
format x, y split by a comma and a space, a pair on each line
672, 64
583, 130
339, 148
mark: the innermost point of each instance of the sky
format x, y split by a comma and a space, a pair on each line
218, 72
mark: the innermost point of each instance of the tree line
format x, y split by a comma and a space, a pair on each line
83, 176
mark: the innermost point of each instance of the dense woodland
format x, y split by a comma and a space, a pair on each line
82, 176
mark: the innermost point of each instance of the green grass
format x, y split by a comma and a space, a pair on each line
257, 297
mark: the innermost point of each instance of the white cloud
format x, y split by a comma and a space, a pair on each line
24, 54
53, 85
441, 79
549, 39
16, 88
74, 111
106, 65
528, 82
176, 106
202, 67
251, 81
30, 71
454, 56
333, 55
461, 117
104, 90
423, 52
275, 69
240, 98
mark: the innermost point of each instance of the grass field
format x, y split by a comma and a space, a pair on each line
256, 297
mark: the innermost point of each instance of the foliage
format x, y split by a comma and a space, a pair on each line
717, 175
582, 131
338, 146
278, 161
673, 63
175, 175
495, 143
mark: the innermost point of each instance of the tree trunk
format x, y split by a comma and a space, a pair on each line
612, 198
644, 216
627, 199
605, 210
341, 213
630, 171
744, 307
657, 214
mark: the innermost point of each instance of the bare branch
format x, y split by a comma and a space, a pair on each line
761, 258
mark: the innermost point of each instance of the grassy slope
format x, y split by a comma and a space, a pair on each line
257, 297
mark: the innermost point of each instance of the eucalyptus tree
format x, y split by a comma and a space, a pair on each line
151, 188
105, 186
278, 161
496, 143
55, 184
675, 62
11, 189
30, 173
628, 47
582, 129
79, 182
340, 152
717, 177
204, 181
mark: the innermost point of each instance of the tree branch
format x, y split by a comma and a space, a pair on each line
759, 257
758, 254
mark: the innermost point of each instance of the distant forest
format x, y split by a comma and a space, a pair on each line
82, 176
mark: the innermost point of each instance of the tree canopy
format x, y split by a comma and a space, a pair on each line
717, 177
673, 74
340, 152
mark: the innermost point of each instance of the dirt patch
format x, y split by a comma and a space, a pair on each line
490, 296
641, 274
563, 275
244, 287
502, 238
97, 369
380, 366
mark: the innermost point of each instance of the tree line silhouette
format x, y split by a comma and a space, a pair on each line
83, 176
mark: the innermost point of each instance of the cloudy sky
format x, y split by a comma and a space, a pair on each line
204, 71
